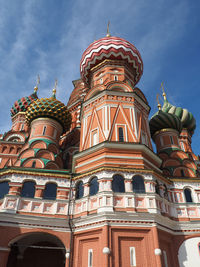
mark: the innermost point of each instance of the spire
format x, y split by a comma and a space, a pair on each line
38, 82
54, 89
164, 94
108, 32
159, 105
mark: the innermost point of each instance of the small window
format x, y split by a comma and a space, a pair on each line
182, 146
188, 195
44, 130
94, 138
4, 189
161, 141
116, 78
79, 190
33, 164
182, 173
157, 188
121, 134
118, 184
50, 191
22, 127
28, 189
165, 258
171, 140
101, 81
138, 184
94, 186
90, 257
132, 257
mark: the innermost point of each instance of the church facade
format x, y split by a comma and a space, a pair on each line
80, 185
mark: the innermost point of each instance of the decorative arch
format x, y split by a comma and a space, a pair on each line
120, 86
26, 250
16, 137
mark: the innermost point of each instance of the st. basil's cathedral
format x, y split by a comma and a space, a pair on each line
80, 184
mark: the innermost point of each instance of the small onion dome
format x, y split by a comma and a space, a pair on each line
111, 48
162, 120
22, 104
186, 117
51, 108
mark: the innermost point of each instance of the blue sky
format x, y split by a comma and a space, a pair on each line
48, 37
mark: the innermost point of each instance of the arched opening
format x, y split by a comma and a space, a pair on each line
79, 190
157, 188
188, 195
138, 184
118, 184
4, 189
37, 249
28, 189
50, 191
94, 186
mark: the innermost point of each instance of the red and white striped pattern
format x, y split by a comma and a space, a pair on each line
111, 48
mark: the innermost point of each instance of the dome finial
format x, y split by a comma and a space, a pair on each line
38, 82
164, 94
54, 89
108, 32
159, 105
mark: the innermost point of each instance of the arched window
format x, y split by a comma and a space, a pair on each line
118, 184
138, 184
79, 190
157, 188
4, 188
188, 195
50, 191
44, 130
94, 186
121, 134
28, 189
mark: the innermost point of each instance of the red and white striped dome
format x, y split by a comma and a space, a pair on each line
111, 48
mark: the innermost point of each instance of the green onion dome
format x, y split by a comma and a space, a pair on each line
51, 108
186, 117
162, 120
22, 104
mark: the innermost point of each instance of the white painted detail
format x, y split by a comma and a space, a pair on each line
189, 253
132, 257
106, 250
158, 251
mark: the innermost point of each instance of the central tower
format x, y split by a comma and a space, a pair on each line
114, 112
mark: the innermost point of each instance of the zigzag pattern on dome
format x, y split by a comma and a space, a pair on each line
22, 104
112, 48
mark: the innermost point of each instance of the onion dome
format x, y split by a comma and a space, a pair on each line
186, 117
22, 104
51, 108
113, 48
162, 120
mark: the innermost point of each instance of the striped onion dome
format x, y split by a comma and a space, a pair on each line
162, 120
186, 117
22, 104
51, 108
111, 48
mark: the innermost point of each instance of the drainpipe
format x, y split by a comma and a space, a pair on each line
70, 223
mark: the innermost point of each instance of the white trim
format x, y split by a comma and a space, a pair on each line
132, 257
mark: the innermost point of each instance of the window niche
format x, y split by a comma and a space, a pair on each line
28, 189
94, 186
79, 190
138, 184
118, 184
